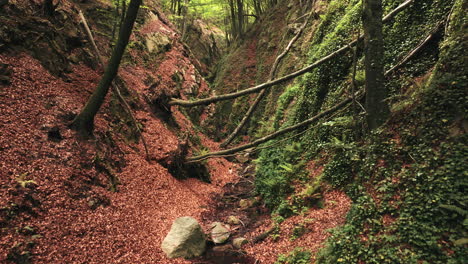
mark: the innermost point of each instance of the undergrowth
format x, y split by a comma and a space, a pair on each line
406, 180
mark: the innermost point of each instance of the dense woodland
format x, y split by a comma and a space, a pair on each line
233, 131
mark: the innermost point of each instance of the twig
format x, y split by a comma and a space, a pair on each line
114, 85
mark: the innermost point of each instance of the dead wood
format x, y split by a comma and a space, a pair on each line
288, 77
414, 51
273, 135
262, 94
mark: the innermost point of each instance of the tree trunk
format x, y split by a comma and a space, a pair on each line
376, 92
234, 30
49, 7
84, 122
258, 88
240, 18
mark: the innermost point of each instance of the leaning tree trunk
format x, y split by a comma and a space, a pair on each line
84, 122
377, 109
49, 7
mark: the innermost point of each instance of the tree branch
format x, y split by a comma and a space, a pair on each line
273, 135
288, 77
114, 85
417, 49
262, 94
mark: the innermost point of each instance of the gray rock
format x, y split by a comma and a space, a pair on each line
219, 233
233, 220
239, 242
185, 239
246, 203
157, 41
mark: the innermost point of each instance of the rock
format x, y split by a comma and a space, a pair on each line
239, 242
245, 204
233, 220
185, 239
219, 233
157, 41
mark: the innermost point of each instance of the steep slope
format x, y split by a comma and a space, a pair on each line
405, 180
57, 203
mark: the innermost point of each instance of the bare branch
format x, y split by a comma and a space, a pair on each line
268, 84
417, 49
262, 94
273, 135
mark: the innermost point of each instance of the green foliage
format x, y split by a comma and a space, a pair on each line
418, 180
408, 180
298, 231
23, 180
275, 171
297, 256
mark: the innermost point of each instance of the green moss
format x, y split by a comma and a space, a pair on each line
401, 178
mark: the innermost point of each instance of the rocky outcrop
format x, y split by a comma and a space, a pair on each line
185, 239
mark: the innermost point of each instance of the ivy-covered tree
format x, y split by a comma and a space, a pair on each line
376, 93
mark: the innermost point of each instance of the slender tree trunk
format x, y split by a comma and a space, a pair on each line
240, 18
257, 88
376, 92
234, 30
84, 122
262, 94
184, 19
49, 7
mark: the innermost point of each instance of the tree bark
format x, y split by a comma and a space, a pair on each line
49, 7
84, 122
262, 94
229, 96
273, 135
376, 92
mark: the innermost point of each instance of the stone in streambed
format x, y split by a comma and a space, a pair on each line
185, 239
239, 242
219, 233
233, 220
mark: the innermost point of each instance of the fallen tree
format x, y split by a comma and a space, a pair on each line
275, 134
268, 84
262, 94
355, 97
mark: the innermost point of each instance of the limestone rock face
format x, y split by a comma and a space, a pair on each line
185, 239
219, 233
